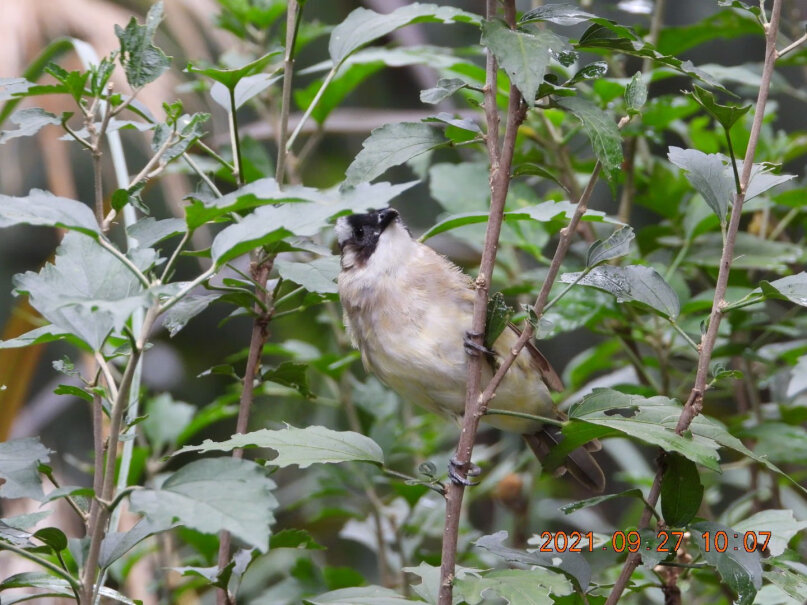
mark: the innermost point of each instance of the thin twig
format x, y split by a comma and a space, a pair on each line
292, 22
694, 403
500, 166
791, 47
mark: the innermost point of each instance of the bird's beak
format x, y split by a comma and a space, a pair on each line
386, 216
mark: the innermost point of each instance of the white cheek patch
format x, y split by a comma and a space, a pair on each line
342, 230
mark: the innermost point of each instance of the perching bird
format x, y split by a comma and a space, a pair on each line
409, 312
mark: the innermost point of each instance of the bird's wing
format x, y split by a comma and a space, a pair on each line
541, 364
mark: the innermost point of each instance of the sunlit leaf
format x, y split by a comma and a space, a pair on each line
141, 60
45, 209
19, 460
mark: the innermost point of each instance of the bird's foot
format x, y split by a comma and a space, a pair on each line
455, 472
474, 349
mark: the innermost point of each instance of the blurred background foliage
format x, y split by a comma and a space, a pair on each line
592, 340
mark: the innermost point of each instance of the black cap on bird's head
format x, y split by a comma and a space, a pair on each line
360, 232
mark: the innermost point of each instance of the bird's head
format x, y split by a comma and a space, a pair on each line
359, 234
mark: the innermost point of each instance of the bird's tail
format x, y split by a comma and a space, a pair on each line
579, 463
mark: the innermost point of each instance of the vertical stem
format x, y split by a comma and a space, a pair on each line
236, 139
500, 165
694, 403
292, 23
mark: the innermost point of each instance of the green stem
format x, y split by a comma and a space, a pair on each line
565, 290
744, 303
682, 253
287, 296
541, 419
311, 107
239, 166
680, 330
125, 260
188, 287
171, 261
737, 184
55, 569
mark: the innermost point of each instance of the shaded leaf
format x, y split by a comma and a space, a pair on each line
575, 506
516, 586
562, 14
617, 244
30, 121
53, 537
166, 420
601, 131
681, 490
230, 78
632, 283
317, 275
359, 595
740, 570
792, 288
798, 381
363, 26
186, 309
211, 495
498, 316
592, 71
303, 447
290, 374
141, 60
19, 461
42, 208
726, 115
779, 442
444, 89
294, 538
523, 55
389, 146
246, 88
636, 93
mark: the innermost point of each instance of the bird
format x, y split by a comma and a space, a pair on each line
408, 310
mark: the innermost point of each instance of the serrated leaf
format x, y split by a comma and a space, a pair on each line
86, 290
391, 145
562, 14
30, 121
632, 283
781, 524
636, 93
681, 490
212, 495
317, 275
580, 504
292, 375
601, 131
149, 231
617, 244
792, 288
303, 447
42, 208
363, 26
523, 55
652, 420
726, 115
141, 60
444, 89
740, 570
573, 564
515, 586
19, 461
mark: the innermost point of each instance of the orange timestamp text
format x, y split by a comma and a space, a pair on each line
665, 541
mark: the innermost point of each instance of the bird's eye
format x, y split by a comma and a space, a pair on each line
358, 232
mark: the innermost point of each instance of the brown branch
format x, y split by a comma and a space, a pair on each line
694, 403
500, 165
260, 333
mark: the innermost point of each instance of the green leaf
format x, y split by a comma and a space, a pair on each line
516, 586
792, 288
303, 447
166, 420
750, 252
19, 461
246, 88
651, 420
359, 595
73, 391
187, 127
317, 275
141, 60
726, 115
498, 316
632, 283
636, 93
230, 78
789, 581
212, 495
117, 544
391, 145
292, 375
53, 537
86, 291
617, 244
575, 506
740, 570
44, 334
798, 380
186, 309
149, 231
781, 524
572, 564
45, 209
562, 14
592, 71
601, 131
460, 187
363, 26
54, 586
708, 175
523, 55
30, 121
294, 538
444, 89
779, 442
681, 490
